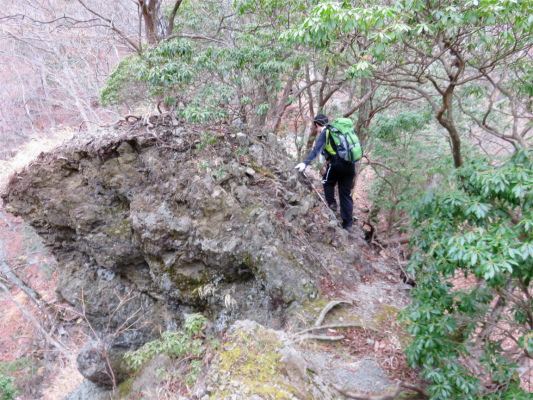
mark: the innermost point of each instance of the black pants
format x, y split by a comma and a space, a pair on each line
342, 173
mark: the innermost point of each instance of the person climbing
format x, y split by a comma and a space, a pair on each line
338, 171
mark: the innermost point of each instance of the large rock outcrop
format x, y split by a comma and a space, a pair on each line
157, 224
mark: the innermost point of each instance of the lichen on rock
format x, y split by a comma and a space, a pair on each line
261, 362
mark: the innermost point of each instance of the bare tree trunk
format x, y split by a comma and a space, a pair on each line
364, 111
283, 102
149, 11
259, 121
445, 118
313, 131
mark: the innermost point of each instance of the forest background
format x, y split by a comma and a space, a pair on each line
441, 94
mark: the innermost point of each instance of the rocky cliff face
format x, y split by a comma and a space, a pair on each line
181, 220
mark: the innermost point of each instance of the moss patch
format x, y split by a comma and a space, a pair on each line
125, 388
252, 363
388, 312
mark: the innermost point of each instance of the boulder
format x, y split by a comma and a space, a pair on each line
140, 229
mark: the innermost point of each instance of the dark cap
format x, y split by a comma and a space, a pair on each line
321, 120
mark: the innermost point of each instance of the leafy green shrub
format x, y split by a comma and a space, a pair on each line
413, 157
481, 230
181, 344
7, 388
123, 83
207, 139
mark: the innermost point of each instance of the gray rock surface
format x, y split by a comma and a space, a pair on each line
90, 391
129, 219
93, 365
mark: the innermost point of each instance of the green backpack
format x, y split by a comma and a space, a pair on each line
345, 141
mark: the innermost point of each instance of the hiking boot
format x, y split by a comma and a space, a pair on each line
349, 229
333, 207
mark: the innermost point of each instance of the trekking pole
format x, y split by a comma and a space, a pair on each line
321, 198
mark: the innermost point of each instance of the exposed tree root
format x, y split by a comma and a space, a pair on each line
321, 337
389, 396
327, 309
336, 326
303, 334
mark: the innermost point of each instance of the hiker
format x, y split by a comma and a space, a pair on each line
338, 170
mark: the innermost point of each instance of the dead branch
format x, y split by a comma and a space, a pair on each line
60, 347
327, 309
35, 297
399, 240
7, 222
313, 254
133, 322
111, 25
127, 117
368, 161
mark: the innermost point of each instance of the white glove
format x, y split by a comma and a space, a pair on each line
301, 167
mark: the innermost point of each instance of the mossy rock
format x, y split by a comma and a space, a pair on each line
250, 364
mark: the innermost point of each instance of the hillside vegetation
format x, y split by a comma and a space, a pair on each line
178, 195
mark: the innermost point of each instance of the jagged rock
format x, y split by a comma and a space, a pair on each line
90, 391
292, 213
257, 153
93, 366
250, 171
127, 218
272, 140
241, 193
242, 139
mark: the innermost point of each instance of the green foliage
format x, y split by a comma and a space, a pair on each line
167, 65
180, 344
122, 84
405, 142
207, 139
241, 151
204, 165
7, 388
220, 173
416, 21
214, 80
390, 127
483, 230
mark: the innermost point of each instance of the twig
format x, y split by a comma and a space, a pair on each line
62, 349
327, 309
7, 222
13, 278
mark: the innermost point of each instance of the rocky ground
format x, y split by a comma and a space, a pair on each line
217, 222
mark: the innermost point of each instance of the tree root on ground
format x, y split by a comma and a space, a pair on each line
303, 334
389, 396
335, 326
327, 309
321, 337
